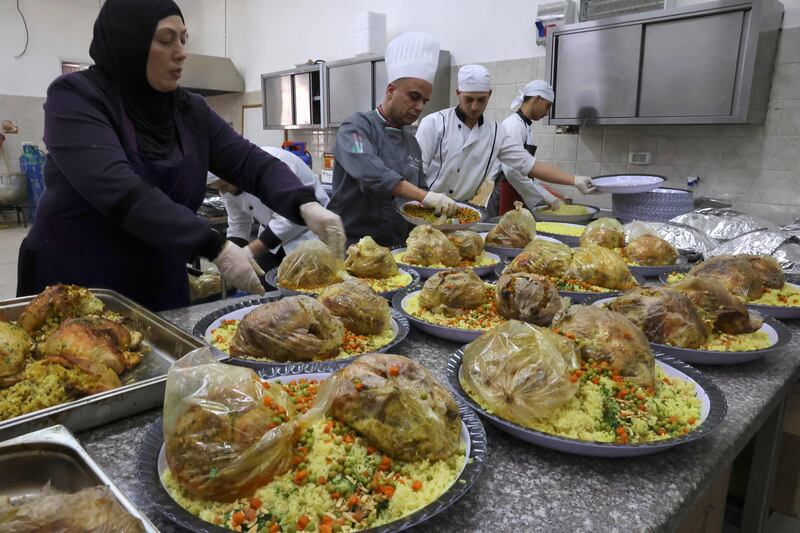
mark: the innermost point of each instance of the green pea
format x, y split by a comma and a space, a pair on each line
311, 527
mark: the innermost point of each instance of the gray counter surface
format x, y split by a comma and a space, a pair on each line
526, 488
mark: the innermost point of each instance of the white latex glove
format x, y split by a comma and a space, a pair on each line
553, 203
238, 268
440, 203
326, 225
584, 184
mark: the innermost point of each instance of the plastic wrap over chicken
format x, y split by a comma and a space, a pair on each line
221, 439
360, 309
719, 309
310, 265
527, 297
605, 232
722, 224
515, 229
368, 259
602, 267
519, 371
684, 238
469, 243
542, 257
737, 272
645, 247
297, 328
427, 245
397, 405
451, 291
782, 246
665, 315
604, 335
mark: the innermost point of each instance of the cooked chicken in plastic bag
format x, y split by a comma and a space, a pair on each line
221, 438
397, 405
602, 267
768, 268
651, 250
449, 292
427, 245
721, 310
93, 509
297, 328
527, 297
57, 303
544, 258
361, 310
520, 371
665, 315
516, 229
605, 232
309, 266
604, 335
469, 243
735, 272
16, 348
368, 259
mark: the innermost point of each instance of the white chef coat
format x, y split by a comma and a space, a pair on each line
245, 207
520, 129
457, 160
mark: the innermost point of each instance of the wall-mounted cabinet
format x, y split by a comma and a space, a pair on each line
293, 98
708, 63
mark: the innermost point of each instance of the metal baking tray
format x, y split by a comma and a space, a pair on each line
142, 387
54, 456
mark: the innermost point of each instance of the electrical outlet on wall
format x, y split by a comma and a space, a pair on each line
639, 158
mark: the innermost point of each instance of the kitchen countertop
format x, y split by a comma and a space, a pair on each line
523, 487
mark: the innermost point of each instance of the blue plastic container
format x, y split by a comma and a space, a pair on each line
31, 162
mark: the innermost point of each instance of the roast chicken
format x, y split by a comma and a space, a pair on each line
736, 272
527, 297
450, 292
16, 347
57, 303
651, 250
360, 309
721, 310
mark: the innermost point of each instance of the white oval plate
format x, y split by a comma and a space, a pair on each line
627, 184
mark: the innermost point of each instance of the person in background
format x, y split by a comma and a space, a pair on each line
277, 235
378, 159
532, 103
128, 154
460, 148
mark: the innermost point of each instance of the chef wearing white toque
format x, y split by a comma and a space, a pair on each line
378, 160
460, 148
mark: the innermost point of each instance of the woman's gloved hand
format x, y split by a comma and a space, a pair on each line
584, 184
553, 202
326, 225
238, 268
440, 203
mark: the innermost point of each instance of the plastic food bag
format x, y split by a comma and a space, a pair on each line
603, 335
427, 245
735, 272
297, 328
516, 229
361, 310
665, 315
605, 232
634, 230
309, 266
217, 421
451, 291
520, 371
368, 259
768, 269
721, 310
542, 257
397, 405
527, 297
468, 243
601, 267
651, 250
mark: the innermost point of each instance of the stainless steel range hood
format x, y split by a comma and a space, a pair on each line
210, 75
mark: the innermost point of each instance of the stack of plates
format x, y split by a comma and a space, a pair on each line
659, 205
370, 33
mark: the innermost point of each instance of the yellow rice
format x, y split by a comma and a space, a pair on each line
481, 261
559, 228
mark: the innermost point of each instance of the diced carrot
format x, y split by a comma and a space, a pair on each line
359, 386
328, 427
274, 528
255, 503
325, 528
359, 515
387, 491
300, 476
692, 420
394, 370
416, 485
302, 522
325, 519
250, 514
353, 500
237, 518
321, 480
267, 401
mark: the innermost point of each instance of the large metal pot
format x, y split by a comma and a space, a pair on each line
12, 189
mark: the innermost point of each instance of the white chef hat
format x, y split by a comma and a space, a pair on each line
211, 178
474, 79
413, 54
535, 88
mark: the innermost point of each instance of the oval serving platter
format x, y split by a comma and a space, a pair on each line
426, 272
271, 277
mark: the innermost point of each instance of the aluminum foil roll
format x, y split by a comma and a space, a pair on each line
685, 239
783, 246
722, 224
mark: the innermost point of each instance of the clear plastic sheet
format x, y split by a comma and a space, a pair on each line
427, 245
360, 309
735, 272
520, 372
783, 246
605, 232
637, 228
449, 292
719, 309
600, 266
297, 328
368, 259
684, 238
309, 266
604, 335
527, 297
469, 243
665, 315
397, 405
544, 258
515, 229
722, 224
217, 421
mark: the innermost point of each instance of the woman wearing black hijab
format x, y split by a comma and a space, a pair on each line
128, 155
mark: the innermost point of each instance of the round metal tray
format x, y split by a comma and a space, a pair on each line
713, 409
540, 215
444, 227
656, 271
426, 272
272, 275
236, 311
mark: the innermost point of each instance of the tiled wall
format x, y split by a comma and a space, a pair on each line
27, 112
